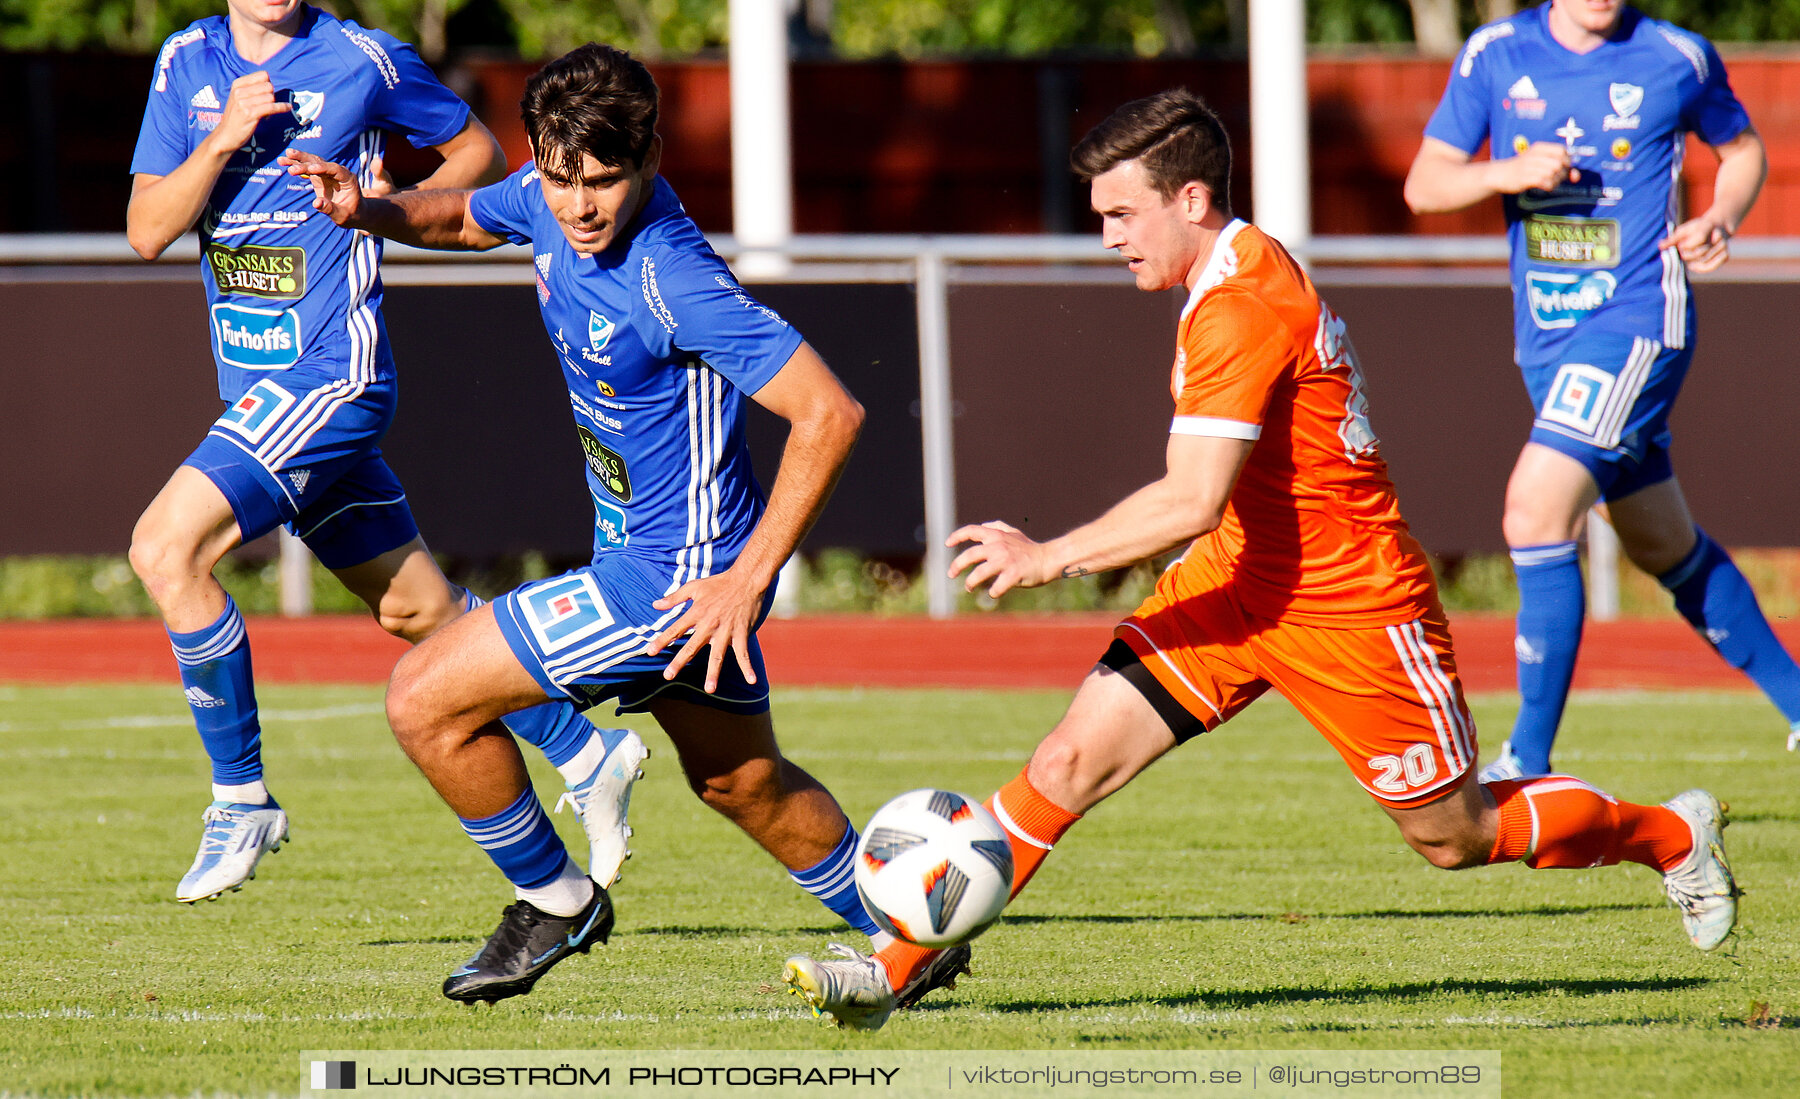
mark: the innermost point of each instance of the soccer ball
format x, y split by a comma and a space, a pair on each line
934, 868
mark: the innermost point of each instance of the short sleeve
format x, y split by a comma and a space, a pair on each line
1234, 351
162, 142
1461, 117
505, 208
693, 304
411, 100
1714, 114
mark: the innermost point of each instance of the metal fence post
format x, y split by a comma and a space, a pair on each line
1603, 569
932, 284
295, 576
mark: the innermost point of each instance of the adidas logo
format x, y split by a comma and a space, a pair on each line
205, 98
299, 477
1523, 88
543, 264
200, 700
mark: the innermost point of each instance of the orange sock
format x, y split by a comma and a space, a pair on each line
1558, 821
1033, 824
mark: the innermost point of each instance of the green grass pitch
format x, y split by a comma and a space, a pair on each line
1244, 893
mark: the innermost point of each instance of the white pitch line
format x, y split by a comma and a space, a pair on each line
162, 721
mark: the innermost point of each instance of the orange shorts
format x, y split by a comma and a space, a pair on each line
1387, 697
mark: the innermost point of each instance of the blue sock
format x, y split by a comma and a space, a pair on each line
521, 841
215, 672
833, 880
554, 727
1551, 607
1713, 595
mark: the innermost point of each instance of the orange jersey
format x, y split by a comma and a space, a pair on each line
1312, 533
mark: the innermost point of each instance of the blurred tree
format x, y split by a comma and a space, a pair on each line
421, 22
871, 28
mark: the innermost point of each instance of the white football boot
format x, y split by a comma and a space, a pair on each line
1702, 886
851, 990
601, 801
1505, 766
234, 841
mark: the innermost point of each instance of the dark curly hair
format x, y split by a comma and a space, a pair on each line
596, 100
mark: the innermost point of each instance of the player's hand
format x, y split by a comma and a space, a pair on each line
251, 99
1543, 166
999, 556
1703, 244
720, 616
335, 190
383, 183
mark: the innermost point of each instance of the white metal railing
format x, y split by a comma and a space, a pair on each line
933, 264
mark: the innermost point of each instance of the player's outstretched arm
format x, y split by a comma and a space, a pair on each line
823, 423
426, 219
473, 158
1444, 178
1705, 241
164, 207
1187, 502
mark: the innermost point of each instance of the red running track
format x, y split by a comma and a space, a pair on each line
994, 650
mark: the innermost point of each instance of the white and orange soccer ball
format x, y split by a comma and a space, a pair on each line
934, 868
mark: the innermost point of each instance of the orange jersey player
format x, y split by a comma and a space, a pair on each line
1301, 577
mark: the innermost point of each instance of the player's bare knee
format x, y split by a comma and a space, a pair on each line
410, 713
1657, 555
1449, 851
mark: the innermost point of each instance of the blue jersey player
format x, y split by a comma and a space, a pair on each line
659, 348
1587, 105
294, 313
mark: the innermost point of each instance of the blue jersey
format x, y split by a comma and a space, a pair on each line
284, 286
1585, 255
658, 345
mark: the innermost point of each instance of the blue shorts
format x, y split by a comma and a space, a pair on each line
582, 635
1606, 404
302, 449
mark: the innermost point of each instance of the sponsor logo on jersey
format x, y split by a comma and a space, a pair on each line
609, 521
1559, 300
258, 271
1621, 148
257, 411
1572, 242
600, 331
1521, 143
307, 106
1571, 194
206, 98
653, 296
1480, 41
608, 467
599, 418
747, 301
1571, 132
606, 390
199, 699
1625, 99
390, 76
1523, 101
256, 339
564, 611
1578, 397
543, 287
